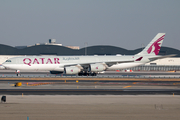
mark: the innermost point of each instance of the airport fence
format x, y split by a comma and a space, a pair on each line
156, 68
100, 76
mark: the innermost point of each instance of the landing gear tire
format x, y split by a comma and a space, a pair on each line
79, 74
86, 74
83, 74
92, 74
18, 74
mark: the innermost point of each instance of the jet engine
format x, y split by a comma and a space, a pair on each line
72, 70
97, 67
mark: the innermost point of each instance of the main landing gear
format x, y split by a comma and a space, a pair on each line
87, 74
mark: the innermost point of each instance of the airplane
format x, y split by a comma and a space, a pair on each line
87, 65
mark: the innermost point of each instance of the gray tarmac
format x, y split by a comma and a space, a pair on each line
91, 100
11, 73
90, 88
96, 107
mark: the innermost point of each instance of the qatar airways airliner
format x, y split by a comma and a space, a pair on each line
87, 65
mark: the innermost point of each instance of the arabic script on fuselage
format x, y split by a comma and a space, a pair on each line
70, 58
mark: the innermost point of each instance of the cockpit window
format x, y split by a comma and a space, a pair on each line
8, 60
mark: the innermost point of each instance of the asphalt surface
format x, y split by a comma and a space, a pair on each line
50, 87
91, 107
91, 100
105, 74
90, 88
89, 92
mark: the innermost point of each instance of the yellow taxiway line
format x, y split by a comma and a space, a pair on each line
126, 86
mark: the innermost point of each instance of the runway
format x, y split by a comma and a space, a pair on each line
90, 88
100, 97
11, 73
89, 92
108, 83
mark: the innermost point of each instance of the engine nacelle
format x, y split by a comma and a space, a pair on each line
97, 67
72, 70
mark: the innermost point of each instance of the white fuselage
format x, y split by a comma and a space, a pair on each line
57, 63
93, 64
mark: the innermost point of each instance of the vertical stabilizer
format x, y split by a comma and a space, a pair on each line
154, 46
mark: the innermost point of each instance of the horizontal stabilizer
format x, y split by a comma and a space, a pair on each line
161, 57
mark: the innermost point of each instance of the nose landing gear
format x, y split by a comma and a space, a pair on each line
18, 73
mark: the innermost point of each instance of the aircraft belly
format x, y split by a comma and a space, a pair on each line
32, 67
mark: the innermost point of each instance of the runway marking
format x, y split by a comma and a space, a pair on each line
176, 83
126, 86
37, 84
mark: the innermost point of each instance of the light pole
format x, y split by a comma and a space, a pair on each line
86, 44
142, 45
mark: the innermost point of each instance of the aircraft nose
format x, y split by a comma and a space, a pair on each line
2, 67
4, 64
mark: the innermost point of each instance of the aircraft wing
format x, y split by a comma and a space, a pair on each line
108, 63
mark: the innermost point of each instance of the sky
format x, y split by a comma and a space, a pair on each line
129, 24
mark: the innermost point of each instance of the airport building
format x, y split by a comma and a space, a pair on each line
52, 48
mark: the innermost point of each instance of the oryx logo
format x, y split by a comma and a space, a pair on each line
96, 67
155, 47
72, 70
